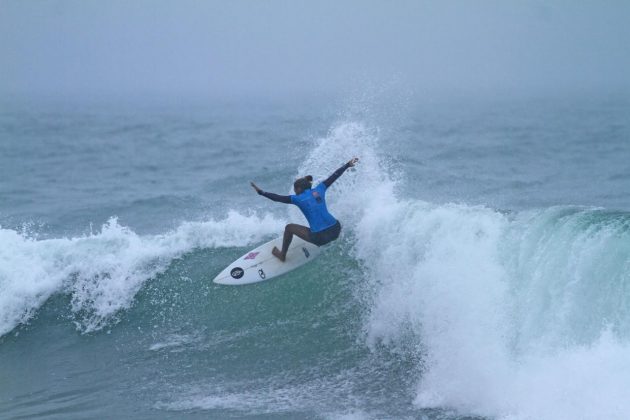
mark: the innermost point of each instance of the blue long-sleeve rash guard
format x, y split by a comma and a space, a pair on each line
312, 202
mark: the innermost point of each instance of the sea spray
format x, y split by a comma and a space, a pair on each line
369, 183
435, 272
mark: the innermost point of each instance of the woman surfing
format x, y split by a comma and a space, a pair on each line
323, 227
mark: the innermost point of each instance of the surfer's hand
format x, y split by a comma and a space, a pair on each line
258, 190
353, 162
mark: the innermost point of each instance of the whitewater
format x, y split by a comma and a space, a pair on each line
469, 280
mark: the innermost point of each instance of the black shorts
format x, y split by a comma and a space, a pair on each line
326, 235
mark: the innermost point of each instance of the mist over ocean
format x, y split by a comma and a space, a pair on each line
482, 271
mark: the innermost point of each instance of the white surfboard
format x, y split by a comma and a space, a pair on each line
259, 264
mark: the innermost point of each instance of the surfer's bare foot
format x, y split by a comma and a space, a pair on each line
276, 252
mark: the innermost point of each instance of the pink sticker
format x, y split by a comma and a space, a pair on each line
251, 256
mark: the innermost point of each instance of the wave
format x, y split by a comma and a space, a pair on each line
103, 271
515, 315
510, 315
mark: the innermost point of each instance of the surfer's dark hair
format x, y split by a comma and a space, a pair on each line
303, 184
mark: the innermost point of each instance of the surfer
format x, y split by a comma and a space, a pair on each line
324, 228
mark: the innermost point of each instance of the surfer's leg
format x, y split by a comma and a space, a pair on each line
290, 230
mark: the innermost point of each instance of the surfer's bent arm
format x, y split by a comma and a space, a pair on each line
329, 181
276, 197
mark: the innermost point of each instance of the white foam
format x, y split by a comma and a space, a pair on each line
517, 317
103, 271
441, 273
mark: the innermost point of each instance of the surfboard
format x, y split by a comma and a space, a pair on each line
259, 264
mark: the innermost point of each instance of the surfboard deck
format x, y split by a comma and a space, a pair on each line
259, 264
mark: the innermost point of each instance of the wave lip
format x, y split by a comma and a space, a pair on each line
103, 271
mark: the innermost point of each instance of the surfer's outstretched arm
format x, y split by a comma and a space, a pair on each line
275, 197
329, 181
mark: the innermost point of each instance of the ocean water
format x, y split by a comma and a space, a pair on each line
483, 271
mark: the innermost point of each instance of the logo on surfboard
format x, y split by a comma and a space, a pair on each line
251, 256
237, 272
306, 253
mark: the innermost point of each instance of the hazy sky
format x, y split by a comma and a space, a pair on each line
280, 47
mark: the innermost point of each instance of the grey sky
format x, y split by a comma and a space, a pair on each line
211, 47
